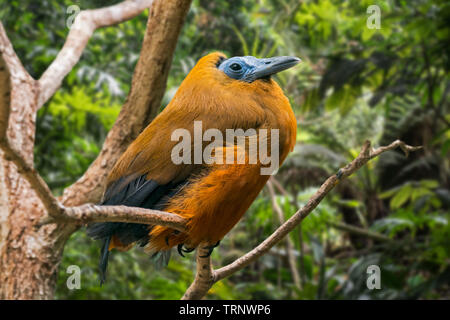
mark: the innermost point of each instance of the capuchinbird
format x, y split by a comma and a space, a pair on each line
223, 93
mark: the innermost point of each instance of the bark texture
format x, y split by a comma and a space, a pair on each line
28, 258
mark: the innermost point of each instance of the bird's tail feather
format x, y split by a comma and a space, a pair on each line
104, 255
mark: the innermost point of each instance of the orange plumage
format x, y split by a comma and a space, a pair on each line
212, 197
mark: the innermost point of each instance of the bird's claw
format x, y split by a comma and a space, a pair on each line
210, 249
181, 249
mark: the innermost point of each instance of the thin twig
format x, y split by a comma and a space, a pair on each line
365, 155
202, 283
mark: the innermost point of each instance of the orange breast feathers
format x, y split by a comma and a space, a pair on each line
213, 196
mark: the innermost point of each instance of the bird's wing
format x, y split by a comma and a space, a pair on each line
134, 192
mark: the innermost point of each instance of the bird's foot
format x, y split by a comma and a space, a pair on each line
210, 249
181, 249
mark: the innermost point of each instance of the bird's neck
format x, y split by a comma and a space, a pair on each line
279, 115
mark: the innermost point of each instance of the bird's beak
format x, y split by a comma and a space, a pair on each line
269, 66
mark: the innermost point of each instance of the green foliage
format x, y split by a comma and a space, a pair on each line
130, 275
70, 131
412, 191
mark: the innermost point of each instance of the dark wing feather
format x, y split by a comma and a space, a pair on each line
138, 192
133, 192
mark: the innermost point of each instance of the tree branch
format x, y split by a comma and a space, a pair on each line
16, 69
32, 176
205, 279
10, 66
85, 23
93, 213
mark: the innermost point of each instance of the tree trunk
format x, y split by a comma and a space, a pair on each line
28, 257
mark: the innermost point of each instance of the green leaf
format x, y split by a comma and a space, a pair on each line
401, 197
430, 184
419, 192
388, 193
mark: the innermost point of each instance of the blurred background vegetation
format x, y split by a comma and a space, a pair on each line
354, 84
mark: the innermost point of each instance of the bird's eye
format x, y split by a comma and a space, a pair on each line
235, 67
